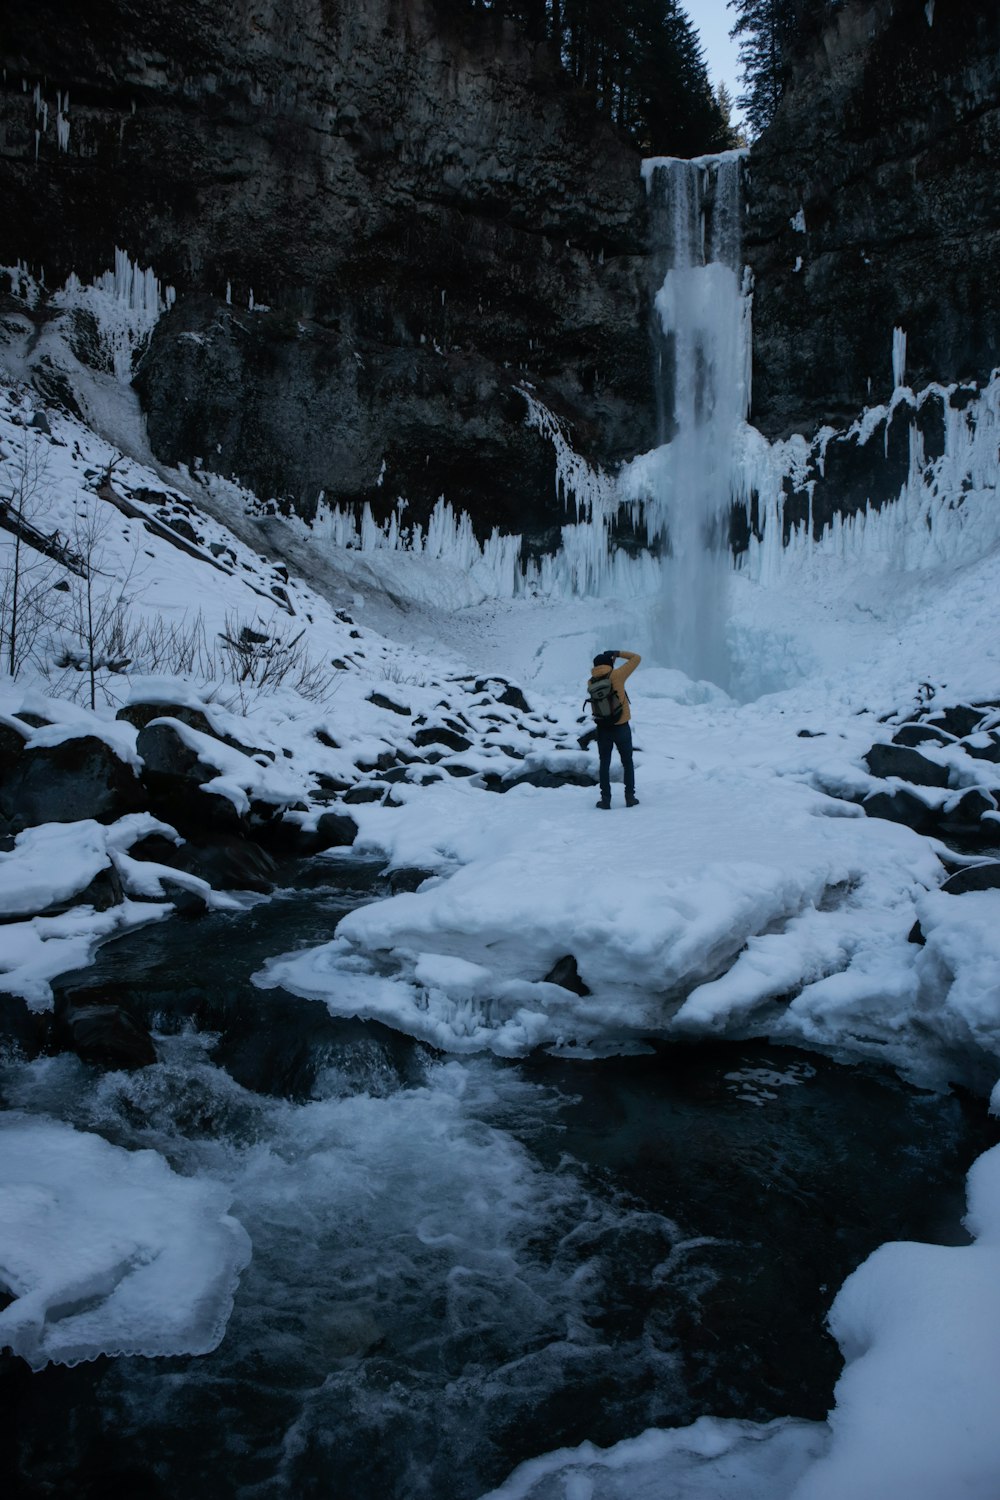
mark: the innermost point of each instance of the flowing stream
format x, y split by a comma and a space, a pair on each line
460, 1264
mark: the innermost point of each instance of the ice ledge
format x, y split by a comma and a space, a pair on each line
107, 1251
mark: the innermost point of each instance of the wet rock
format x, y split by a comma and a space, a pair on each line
383, 762
959, 720
407, 878
545, 777
565, 973
984, 746
984, 877
103, 892
381, 701
328, 787
512, 697
227, 863
438, 734
912, 735
907, 764
295, 1051
187, 904
173, 776
502, 691
22, 1031
397, 773
12, 738
78, 778
141, 714
900, 807
963, 821
364, 794
332, 831
335, 831
103, 1034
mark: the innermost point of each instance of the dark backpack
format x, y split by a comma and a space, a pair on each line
605, 704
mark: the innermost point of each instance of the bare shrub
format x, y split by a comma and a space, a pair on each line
29, 603
258, 659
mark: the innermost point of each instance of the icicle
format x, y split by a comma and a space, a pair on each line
125, 302
62, 122
898, 358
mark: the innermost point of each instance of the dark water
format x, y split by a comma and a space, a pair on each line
458, 1265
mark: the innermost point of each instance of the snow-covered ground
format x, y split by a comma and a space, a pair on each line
748, 894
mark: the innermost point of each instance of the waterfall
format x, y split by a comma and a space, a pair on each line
701, 340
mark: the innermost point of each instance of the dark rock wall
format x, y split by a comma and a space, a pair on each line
427, 210
431, 215
888, 140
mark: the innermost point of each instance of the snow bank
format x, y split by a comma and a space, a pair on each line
713, 1459
919, 1326
39, 950
51, 864
722, 893
108, 1251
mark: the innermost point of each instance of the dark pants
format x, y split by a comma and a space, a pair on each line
619, 737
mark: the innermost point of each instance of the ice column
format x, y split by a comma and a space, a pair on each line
898, 358
702, 361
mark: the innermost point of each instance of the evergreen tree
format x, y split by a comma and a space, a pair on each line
724, 101
771, 33
641, 60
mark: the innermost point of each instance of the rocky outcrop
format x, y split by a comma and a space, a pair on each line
948, 788
380, 219
80, 777
875, 204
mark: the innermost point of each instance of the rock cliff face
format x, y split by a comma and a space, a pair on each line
412, 213
875, 204
383, 216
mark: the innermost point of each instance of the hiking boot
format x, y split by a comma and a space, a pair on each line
631, 800
604, 805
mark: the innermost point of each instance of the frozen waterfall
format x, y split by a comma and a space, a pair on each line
701, 342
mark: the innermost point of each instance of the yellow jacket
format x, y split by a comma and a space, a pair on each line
618, 676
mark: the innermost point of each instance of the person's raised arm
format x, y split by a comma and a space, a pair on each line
632, 660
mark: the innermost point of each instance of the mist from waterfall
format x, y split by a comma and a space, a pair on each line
701, 340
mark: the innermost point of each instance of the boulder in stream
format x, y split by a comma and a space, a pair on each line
103, 1033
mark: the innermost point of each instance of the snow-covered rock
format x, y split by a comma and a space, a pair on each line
107, 1251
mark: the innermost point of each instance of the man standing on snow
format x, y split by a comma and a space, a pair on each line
612, 712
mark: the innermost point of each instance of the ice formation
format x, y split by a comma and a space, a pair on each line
946, 512
898, 358
108, 1251
125, 304
703, 389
